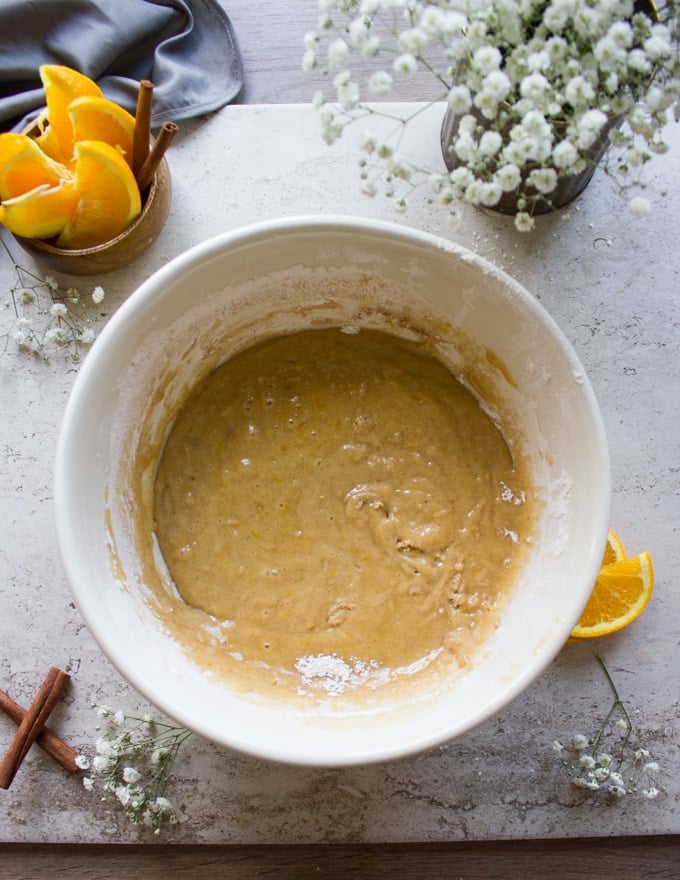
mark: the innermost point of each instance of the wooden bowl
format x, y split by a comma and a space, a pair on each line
121, 250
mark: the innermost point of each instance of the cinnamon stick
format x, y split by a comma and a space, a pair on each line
165, 135
62, 753
142, 131
33, 721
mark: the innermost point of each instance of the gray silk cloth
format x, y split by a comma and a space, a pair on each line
187, 48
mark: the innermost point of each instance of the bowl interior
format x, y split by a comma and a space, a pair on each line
282, 276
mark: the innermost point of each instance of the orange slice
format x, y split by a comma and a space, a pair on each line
621, 593
40, 213
24, 166
62, 85
108, 196
614, 550
98, 119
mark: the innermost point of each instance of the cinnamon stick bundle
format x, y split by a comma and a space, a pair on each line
32, 723
142, 131
62, 753
165, 135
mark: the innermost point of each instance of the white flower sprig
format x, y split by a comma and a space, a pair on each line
133, 762
46, 319
613, 760
537, 85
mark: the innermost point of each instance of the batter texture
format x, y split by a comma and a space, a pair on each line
343, 505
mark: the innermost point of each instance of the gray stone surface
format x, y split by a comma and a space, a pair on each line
612, 284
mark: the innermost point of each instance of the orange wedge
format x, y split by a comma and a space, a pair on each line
98, 119
614, 551
40, 213
24, 166
108, 196
622, 591
62, 86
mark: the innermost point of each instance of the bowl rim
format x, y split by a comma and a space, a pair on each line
66, 459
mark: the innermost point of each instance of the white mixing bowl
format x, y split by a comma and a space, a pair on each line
291, 274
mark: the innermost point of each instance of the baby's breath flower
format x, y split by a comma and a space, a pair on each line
163, 805
535, 87
338, 54
56, 336
459, 99
131, 775
413, 41
539, 61
371, 47
487, 58
658, 47
22, 339
509, 177
405, 64
579, 91
47, 319
623, 766
309, 60
98, 294
490, 194
497, 85
609, 53
544, 179
490, 143
639, 206
58, 310
524, 221
548, 79
359, 32
347, 90
311, 41
123, 793
368, 142
85, 336
564, 154
100, 764
105, 747
331, 125
157, 755
617, 779
380, 83
454, 218
133, 762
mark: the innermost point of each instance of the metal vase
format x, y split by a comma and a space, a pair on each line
568, 186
